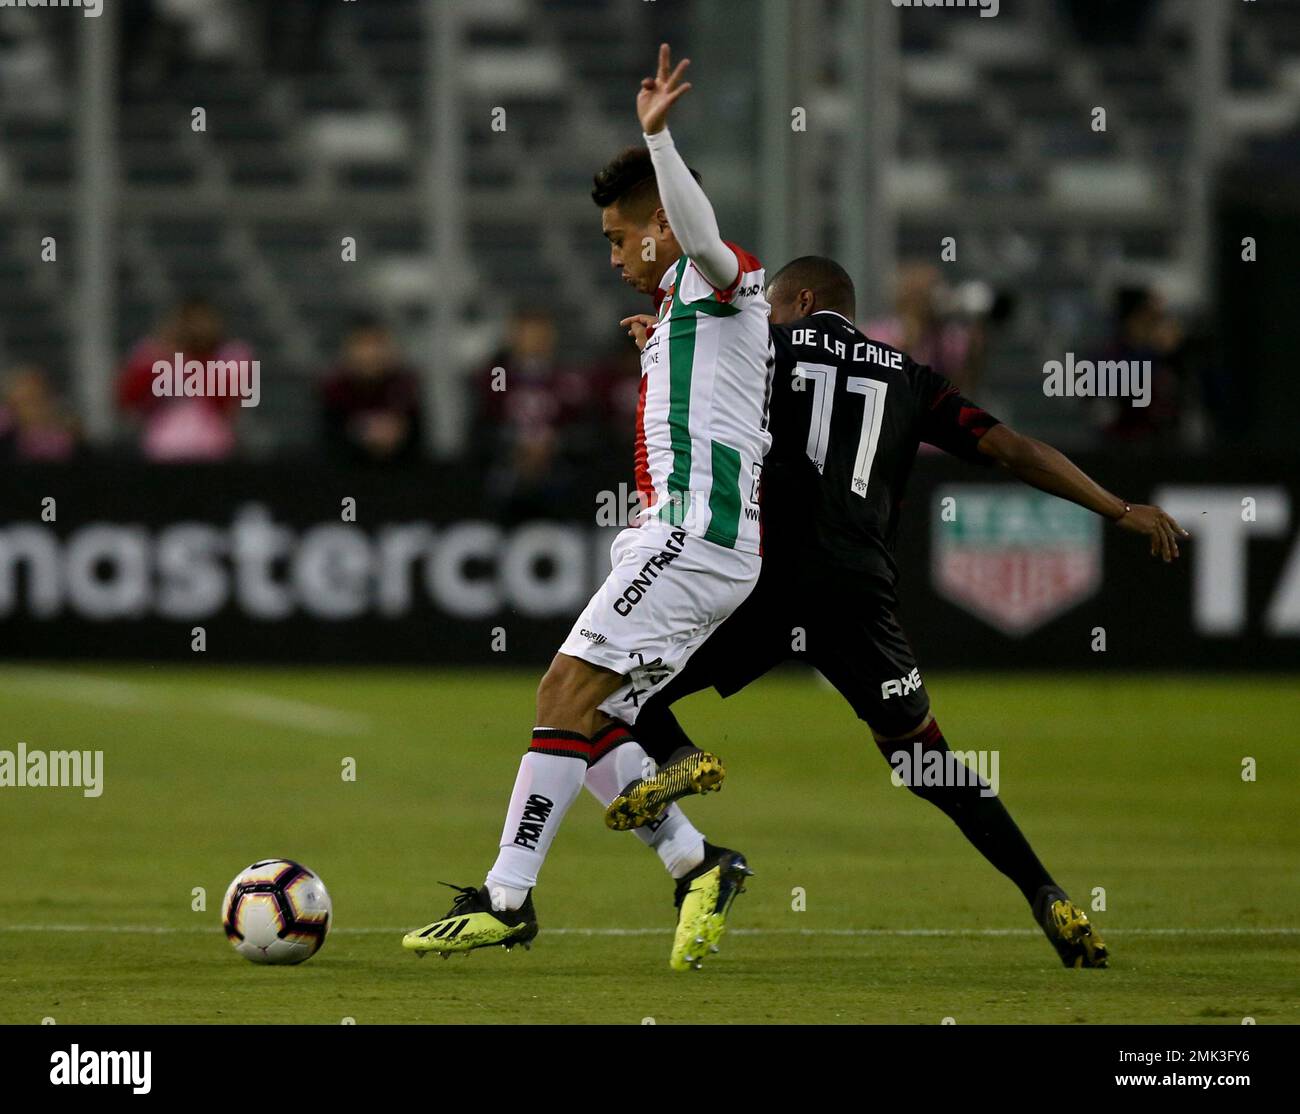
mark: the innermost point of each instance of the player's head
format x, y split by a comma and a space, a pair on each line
197, 324
641, 242
808, 284
368, 349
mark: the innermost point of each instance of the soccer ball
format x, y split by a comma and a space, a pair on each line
276, 911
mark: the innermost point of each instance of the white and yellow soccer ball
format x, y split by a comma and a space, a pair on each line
276, 911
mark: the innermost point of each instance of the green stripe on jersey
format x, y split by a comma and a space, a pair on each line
681, 359
710, 308
724, 498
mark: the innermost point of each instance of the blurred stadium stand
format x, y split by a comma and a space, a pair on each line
992, 147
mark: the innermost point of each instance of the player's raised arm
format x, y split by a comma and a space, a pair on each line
688, 209
1048, 469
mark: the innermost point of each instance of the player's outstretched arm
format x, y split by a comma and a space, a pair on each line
1046, 468
689, 212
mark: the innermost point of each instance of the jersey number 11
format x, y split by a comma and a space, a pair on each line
872, 391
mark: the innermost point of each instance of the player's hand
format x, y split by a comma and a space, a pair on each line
639, 327
659, 93
1155, 524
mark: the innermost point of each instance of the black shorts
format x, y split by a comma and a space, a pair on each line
840, 621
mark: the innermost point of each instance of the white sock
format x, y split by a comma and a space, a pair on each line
506, 897
545, 787
677, 842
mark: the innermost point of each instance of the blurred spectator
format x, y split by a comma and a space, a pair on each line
1146, 330
34, 425
182, 429
528, 410
607, 431
371, 400
922, 328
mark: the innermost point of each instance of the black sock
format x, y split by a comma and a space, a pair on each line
983, 820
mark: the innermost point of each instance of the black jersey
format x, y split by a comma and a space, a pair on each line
847, 414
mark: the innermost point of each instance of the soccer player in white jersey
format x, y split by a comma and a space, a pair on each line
688, 561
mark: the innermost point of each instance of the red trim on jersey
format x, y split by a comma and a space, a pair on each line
975, 420
644, 485
744, 261
945, 392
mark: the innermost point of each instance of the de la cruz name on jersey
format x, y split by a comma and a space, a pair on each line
847, 415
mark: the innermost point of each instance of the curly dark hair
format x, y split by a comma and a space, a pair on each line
824, 277
628, 179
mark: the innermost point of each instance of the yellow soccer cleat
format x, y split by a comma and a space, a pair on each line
1068, 929
703, 899
643, 801
473, 923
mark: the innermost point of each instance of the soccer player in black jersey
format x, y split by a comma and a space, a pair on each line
847, 414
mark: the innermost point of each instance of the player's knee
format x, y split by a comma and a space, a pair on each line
896, 743
890, 736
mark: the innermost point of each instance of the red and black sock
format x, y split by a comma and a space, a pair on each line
562, 744
606, 739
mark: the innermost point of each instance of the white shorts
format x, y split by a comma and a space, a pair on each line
666, 593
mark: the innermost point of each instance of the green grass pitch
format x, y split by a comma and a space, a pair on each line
1132, 785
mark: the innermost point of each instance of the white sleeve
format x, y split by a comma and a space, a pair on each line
690, 214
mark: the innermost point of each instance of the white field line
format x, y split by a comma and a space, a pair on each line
259, 707
166, 930
79, 688
279, 712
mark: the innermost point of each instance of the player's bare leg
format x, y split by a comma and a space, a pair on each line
984, 820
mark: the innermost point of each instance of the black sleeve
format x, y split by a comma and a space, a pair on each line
945, 419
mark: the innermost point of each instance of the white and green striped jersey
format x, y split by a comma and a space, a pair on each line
702, 418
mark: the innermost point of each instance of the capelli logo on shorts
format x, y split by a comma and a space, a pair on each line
598, 639
902, 686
